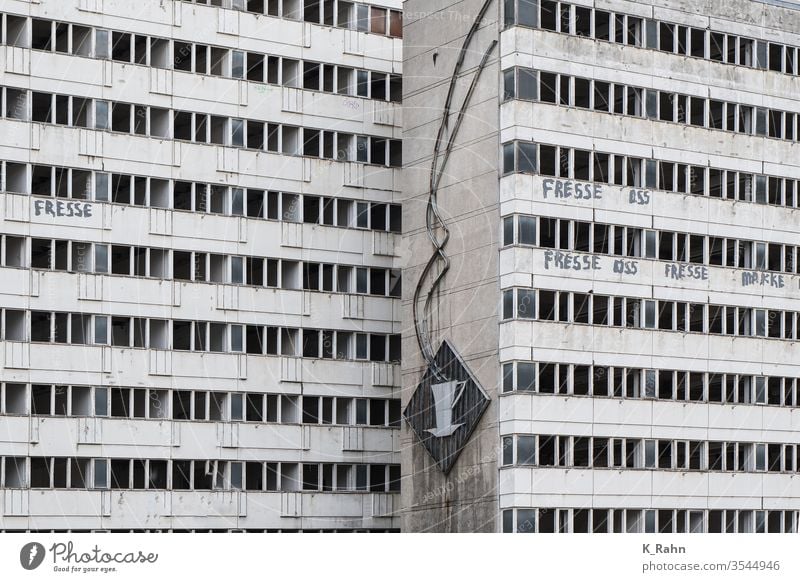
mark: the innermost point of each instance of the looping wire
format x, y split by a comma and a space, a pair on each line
434, 222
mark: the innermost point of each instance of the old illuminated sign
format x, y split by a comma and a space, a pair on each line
446, 407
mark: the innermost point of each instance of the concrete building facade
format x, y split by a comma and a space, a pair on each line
205, 237
198, 281
622, 197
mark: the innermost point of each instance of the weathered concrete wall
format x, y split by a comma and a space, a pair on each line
466, 308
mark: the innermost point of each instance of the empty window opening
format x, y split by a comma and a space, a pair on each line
121, 47
41, 34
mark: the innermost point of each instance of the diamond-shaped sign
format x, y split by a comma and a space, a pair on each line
445, 409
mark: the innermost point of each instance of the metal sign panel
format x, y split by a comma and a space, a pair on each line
446, 409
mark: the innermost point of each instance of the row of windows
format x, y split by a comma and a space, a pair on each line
196, 405
199, 336
653, 34
85, 257
338, 13
630, 382
212, 530
531, 85
81, 184
569, 520
197, 475
665, 315
162, 123
630, 241
127, 47
275, 70
621, 170
638, 453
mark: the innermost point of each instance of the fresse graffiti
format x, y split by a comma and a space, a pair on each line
58, 208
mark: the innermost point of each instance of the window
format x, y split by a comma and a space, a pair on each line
395, 23
377, 23
508, 450
100, 470
650, 314
526, 305
101, 44
508, 158
650, 384
526, 377
760, 457
527, 84
526, 450
650, 454
526, 157
526, 232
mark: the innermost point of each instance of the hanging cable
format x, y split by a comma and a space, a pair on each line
433, 219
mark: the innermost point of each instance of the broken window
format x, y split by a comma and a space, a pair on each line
41, 107
41, 399
16, 399
255, 67
40, 472
121, 47
201, 59
219, 60
120, 474
182, 126
41, 34
199, 336
213, 131
40, 326
59, 473
159, 53
378, 85
182, 56
16, 28
181, 404
15, 472
255, 135
181, 474
181, 335
120, 402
